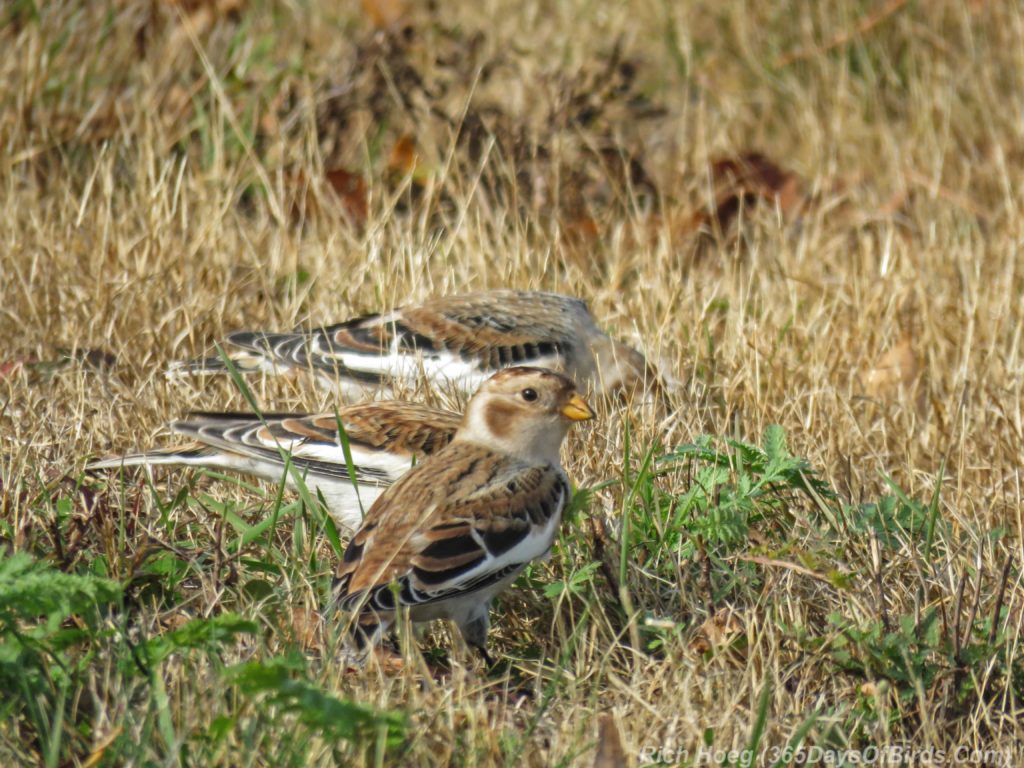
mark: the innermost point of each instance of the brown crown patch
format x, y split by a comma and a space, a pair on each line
525, 370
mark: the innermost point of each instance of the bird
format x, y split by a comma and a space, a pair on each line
457, 529
456, 340
384, 438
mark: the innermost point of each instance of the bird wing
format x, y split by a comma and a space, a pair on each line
457, 523
383, 437
460, 337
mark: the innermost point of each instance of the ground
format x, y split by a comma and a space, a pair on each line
807, 215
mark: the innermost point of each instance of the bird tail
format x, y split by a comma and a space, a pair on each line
244, 362
180, 455
251, 352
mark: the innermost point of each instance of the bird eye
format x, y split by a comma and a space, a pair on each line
529, 395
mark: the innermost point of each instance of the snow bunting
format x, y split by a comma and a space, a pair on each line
460, 526
460, 340
383, 438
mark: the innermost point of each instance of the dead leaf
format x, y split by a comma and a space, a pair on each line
171, 621
581, 230
610, 753
306, 626
198, 16
10, 368
718, 632
896, 369
403, 160
746, 180
351, 189
384, 13
98, 751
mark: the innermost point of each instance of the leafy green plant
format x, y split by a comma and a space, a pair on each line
740, 481
908, 655
575, 583
202, 634
734, 484
896, 519
915, 655
730, 486
282, 683
51, 624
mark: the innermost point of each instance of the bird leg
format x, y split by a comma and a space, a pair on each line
474, 632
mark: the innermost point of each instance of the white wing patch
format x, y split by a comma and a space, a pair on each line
409, 366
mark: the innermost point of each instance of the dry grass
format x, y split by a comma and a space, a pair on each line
163, 182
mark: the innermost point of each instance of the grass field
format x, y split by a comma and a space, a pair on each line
815, 543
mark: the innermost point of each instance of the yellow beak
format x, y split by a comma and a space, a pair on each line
577, 409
